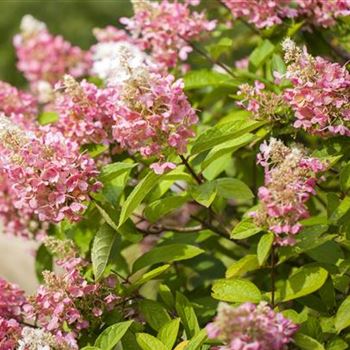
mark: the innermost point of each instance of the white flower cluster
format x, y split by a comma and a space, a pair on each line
118, 62
36, 339
30, 26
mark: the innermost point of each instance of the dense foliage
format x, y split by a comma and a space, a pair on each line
182, 199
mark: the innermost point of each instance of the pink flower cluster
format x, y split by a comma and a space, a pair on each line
47, 173
18, 105
253, 327
261, 13
70, 300
12, 302
323, 13
320, 96
86, 113
290, 180
155, 117
16, 222
10, 332
266, 13
165, 28
45, 57
262, 103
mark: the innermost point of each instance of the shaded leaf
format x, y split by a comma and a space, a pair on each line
137, 195
166, 254
188, 317
101, 249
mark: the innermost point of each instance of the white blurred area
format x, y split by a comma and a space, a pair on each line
17, 262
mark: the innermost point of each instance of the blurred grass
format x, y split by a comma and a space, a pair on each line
73, 19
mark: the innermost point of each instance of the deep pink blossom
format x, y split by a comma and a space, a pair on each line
155, 118
290, 180
10, 332
320, 96
12, 300
323, 13
251, 327
69, 299
45, 57
165, 28
18, 105
86, 113
261, 13
48, 173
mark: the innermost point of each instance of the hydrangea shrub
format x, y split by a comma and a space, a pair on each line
186, 179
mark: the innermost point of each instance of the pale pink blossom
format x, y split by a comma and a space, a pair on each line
320, 96
251, 327
45, 57
48, 173
261, 13
86, 113
290, 180
323, 13
165, 28
20, 106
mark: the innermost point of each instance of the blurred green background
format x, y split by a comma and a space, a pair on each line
74, 19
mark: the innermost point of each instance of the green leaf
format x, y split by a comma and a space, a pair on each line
43, 262
164, 206
227, 147
337, 344
168, 333
197, 79
264, 247
107, 217
244, 229
94, 150
154, 313
148, 342
204, 194
345, 177
340, 211
197, 341
129, 341
165, 254
166, 295
294, 28
342, 318
101, 249
48, 118
307, 343
148, 276
242, 266
90, 348
137, 195
188, 317
278, 64
261, 53
304, 281
222, 133
110, 337
236, 291
111, 171
233, 188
